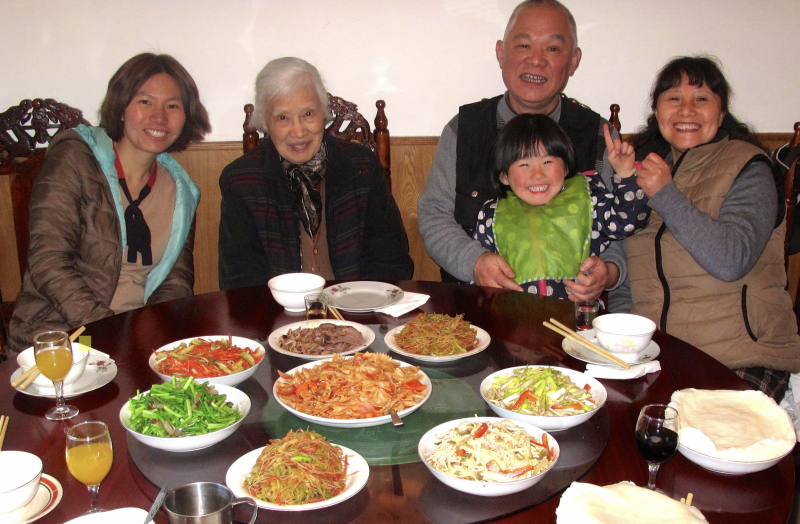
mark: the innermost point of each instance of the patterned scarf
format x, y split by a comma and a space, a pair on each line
304, 179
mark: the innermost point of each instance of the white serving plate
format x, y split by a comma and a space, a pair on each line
351, 423
357, 475
483, 488
274, 337
195, 442
363, 296
598, 391
117, 516
483, 342
234, 379
725, 466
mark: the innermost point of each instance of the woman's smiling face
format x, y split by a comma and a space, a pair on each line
536, 180
688, 115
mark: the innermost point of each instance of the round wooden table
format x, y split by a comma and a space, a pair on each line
400, 488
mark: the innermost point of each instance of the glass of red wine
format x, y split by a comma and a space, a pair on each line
657, 437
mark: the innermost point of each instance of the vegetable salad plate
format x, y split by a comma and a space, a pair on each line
572, 349
232, 379
275, 336
357, 475
100, 370
351, 423
47, 497
363, 296
483, 342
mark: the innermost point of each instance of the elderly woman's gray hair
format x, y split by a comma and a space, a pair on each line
283, 76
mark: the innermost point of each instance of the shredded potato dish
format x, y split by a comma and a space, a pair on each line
494, 452
437, 334
300, 468
363, 386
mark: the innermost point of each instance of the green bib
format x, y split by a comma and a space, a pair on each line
548, 241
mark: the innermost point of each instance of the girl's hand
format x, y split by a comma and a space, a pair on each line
621, 155
595, 276
654, 174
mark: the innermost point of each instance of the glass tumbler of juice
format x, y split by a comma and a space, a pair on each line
90, 456
53, 355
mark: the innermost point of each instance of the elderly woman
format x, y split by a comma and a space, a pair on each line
302, 200
708, 268
111, 218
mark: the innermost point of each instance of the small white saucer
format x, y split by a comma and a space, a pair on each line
649, 353
118, 516
47, 498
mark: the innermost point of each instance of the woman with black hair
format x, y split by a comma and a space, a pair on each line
709, 267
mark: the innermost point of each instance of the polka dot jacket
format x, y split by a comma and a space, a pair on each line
617, 214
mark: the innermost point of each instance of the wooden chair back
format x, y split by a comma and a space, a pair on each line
347, 124
22, 128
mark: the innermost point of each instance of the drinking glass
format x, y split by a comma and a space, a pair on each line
53, 353
585, 313
89, 456
657, 437
316, 306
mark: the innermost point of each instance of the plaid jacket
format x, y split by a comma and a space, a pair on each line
259, 231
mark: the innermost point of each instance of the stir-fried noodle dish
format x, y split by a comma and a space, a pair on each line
437, 335
539, 391
490, 451
365, 385
300, 468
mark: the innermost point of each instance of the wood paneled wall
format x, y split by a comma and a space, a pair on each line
411, 161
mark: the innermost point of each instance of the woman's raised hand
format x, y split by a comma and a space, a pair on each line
654, 174
621, 155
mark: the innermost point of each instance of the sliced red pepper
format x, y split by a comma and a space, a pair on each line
587, 387
415, 385
494, 468
567, 406
461, 452
527, 394
481, 431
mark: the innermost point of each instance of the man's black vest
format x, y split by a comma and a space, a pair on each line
477, 134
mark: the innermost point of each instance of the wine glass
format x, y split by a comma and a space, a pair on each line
657, 437
53, 353
89, 456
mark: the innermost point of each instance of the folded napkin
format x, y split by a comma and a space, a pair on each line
597, 371
409, 302
622, 503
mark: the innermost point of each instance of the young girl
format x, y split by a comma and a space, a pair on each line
553, 220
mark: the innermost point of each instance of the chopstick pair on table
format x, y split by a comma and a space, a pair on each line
566, 332
24, 380
3, 428
335, 312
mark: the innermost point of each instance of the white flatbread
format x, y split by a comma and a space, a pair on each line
734, 425
622, 503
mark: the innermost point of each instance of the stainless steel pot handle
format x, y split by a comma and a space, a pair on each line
247, 500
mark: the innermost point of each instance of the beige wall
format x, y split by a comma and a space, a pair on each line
424, 57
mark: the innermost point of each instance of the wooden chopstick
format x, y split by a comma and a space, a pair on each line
688, 499
3, 428
20, 379
336, 313
568, 333
26, 378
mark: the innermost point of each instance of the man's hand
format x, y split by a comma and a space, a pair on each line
595, 276
654, 174
621, 155
492, 270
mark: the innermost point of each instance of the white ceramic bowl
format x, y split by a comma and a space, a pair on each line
234, 379
26, 360
19, 480
623, 333
194, 442
599, 394
482, 488
725, 466
289, 289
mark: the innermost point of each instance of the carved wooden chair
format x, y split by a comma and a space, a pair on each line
347, 124
22, 128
